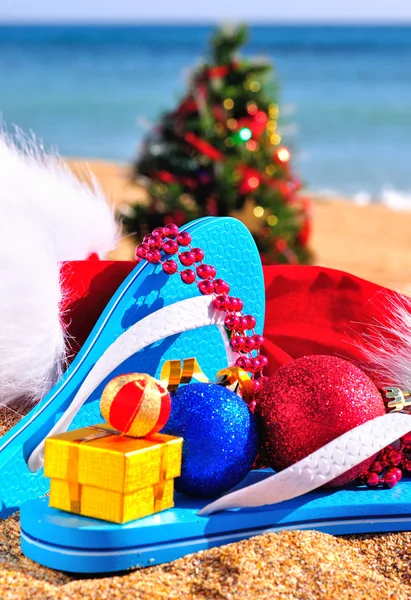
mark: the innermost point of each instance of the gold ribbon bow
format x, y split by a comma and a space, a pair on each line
176, 372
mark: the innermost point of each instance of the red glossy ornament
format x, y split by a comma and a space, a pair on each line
258, 341
153, 256
243, 362
141, 251
254, 386
396, 472
248, 343
187, 259
188, 276
221, 302
170, 247
213, 271
242, 324
237, 343
221, 287
390, 479
251, 405
170, 230
251, 321
170, 267
155, 242
206, 287
395, 458
372, 480
198, 254
235, 304
255, 364
183, 239
406, 440
206, 271
377, 467
311, 401
232, 305
159, 231
263, 361
231, 322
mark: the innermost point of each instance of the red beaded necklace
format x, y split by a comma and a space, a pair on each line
170, 240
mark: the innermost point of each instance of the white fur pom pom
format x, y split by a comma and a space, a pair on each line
46, 216
32, 345
76, 215
388, 350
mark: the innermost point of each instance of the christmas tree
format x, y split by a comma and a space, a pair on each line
220, 153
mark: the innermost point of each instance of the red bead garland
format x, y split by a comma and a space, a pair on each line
198, 253
187, 259
170, 267
390, 464
170, 247
168, 239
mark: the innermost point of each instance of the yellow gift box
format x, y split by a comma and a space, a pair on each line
97, 472
111, 506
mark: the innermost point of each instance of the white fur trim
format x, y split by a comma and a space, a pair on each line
76, 215
388, 349
46, 216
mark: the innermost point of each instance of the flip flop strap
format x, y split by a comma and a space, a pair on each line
185, 315
320, 467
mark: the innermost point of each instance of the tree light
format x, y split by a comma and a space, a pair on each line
283, 155
252, 145
245, 134
273, 111
258, 211
255, 86
252, 108
253, 182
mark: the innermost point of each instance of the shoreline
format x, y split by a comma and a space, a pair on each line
371, 241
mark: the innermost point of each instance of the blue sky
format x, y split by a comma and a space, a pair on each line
208, 10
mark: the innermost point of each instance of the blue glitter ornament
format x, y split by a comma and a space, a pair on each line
220, 438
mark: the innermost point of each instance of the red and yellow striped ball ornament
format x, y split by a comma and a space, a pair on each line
135, 404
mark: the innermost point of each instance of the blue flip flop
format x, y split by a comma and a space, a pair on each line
150, 319
76, 544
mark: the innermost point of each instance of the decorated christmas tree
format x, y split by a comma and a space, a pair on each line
220, 153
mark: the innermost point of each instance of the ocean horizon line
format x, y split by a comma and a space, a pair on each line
377, 24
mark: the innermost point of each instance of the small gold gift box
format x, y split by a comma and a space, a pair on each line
97, 472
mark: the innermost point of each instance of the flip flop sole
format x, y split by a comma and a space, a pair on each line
71, 543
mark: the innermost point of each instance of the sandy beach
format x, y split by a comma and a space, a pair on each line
372, 242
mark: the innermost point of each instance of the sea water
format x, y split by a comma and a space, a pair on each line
345, 94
